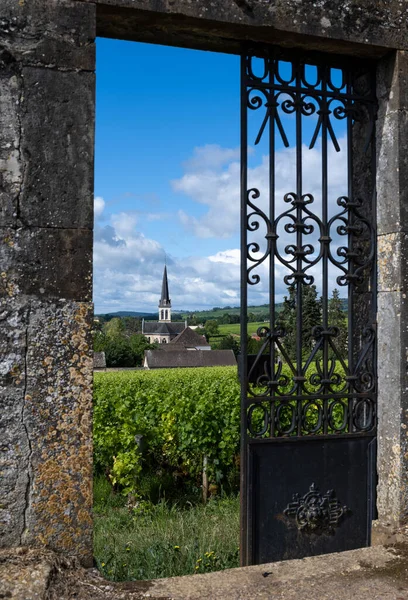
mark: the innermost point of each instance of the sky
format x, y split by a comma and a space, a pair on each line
167, 178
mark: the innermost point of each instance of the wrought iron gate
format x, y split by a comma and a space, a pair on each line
309, 393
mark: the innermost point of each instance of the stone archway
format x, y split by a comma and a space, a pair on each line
47, 62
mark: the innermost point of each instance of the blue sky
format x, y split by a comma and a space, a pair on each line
167, 177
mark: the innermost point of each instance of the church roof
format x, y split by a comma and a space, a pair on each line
189, 339
156, 359
165, 298
163, 328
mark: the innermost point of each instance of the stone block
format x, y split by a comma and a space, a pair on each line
392, 82
58, 419
14, 443
392, 262
46, 263
10, 134
57, 149
392, 172
356, 27
49, 33
392, 462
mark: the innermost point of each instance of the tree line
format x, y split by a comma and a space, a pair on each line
124, 345
121, 340
312, 316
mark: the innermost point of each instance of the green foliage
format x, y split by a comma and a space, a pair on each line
211, 328
148, 541
118, 338
228, 342
337, 318
118, 352
114, 327
312, 316
183, 415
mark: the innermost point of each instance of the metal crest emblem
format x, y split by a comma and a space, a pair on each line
316, 513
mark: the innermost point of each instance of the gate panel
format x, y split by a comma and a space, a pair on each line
299, 511
309, 394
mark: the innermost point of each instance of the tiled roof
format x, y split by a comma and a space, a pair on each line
152, 327
156, 359
189, 339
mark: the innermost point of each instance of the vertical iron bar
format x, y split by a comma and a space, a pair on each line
350, 311
243, 317
374, 275
272, 242
325, 286
299, 319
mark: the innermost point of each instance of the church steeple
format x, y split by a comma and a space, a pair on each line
165, 302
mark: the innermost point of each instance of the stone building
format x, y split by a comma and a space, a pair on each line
163, 330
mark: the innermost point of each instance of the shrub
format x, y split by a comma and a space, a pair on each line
182, 414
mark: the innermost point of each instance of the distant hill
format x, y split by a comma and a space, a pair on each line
217, 311
129, 313
213, 313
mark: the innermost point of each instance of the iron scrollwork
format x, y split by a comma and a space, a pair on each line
321, 391
315, 512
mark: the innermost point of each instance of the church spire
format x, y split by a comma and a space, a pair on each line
165, 302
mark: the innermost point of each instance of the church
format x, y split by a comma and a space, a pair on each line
163, 330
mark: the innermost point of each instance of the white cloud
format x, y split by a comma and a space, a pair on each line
227, 256
129, 265
128, 269
99, 205
211, 156
215, 183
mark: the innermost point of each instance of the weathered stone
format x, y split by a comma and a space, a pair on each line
392, 82
14, 444
392, 263
47, 263
357, 27
392, 316
58, 125
392, 464
392, 171
49, 33
10, 165
365, 574
57, 416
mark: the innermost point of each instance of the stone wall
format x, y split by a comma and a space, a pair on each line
46, 219
345, 26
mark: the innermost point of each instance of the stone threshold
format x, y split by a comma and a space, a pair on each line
378, 572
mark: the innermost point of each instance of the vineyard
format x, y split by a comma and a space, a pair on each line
152, 430
165, 422
156, 433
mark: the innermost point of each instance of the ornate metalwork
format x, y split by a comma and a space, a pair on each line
316, 513
321, 391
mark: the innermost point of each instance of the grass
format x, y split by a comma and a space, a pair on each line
149, 541
235, 328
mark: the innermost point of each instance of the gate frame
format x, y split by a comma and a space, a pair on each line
47, 61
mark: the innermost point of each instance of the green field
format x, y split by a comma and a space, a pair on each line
216, 313
235, 328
